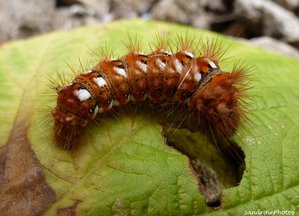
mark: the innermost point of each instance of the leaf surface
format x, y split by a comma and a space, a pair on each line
124, 165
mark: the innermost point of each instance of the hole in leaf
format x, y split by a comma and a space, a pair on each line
217, 165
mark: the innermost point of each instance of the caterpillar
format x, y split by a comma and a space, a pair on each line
212, 96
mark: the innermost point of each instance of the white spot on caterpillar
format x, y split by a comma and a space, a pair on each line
167, 52
111, 104
95, 111
178, 66
120, 71
142, 66
212, 64
87, 72
69, 118
161, 64
189, 54
197, 77
100, 81
82, 94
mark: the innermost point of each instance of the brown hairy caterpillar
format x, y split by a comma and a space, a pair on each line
213, 97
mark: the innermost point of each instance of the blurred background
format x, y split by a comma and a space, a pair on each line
271, 24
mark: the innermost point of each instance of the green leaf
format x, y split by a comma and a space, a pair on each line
123, 165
